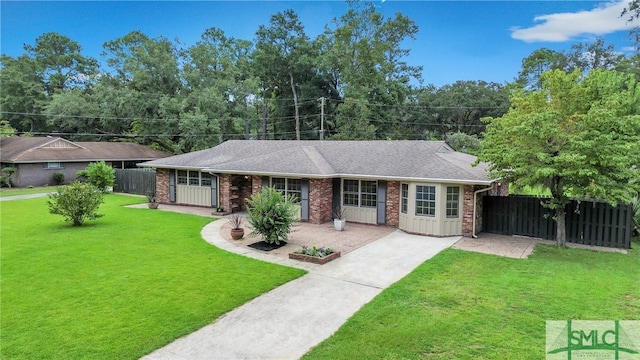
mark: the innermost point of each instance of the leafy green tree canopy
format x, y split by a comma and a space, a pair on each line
577, 136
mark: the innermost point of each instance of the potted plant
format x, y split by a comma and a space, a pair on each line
339, 221
237, 232
152, 201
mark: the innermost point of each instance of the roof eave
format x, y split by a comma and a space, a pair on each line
353, 176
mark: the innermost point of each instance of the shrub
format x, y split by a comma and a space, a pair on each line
76, 202
81, 175
635, 214
101, 175
271, 214
5, 178
58, 178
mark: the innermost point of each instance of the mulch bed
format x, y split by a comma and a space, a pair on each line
265, 246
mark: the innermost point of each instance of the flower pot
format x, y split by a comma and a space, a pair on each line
153, 205
339, 224
237, 234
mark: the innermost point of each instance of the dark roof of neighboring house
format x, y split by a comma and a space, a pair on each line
55, 149
420, 160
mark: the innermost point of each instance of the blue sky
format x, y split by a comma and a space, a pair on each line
458, 40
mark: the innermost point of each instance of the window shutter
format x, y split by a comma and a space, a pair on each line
214, 191
172, 185
382, 202
304, 200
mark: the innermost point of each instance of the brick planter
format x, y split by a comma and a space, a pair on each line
314, 259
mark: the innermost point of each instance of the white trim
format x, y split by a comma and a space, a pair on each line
351, 176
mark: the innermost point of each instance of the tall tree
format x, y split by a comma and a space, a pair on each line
283, 49
22, 94
632, 13
596, 54
461, 106
576, 136
60, 64
538, 62
148, 69
362, 52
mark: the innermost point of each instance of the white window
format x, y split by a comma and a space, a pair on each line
54, 165
426, 200
404, 199
453, 201
194, 178
182, 177
205, 179
360, 193
288, 186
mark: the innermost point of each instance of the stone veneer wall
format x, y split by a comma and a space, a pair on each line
393, 203
320, 200
224, 182
256, 184
467, 210
162, 185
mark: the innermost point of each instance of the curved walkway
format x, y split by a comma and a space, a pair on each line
288, 321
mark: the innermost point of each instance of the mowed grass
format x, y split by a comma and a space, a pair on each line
26, 191
118, 287
464, 305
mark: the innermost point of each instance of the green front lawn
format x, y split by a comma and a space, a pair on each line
118, 287
26, 191
463, 305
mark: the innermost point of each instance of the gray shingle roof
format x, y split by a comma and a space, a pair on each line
425, 160
42, 149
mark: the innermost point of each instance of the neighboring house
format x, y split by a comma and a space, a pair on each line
36, 159
422, 187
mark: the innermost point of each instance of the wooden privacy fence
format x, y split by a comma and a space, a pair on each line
135, 181
587, 222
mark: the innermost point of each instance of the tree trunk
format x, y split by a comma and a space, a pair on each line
295, 105
264, 119
561, 233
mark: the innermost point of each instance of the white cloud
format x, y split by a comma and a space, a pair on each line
559, 27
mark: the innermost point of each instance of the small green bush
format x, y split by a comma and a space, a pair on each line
81, 175
5, 178
76, 202
58, 178
271, 214
101, 175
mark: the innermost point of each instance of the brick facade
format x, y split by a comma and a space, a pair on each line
393, 203
498, 189
256, 184
162, 185
320, 200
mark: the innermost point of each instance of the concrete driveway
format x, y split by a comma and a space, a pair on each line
289, 320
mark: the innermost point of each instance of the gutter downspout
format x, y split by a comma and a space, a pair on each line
475, 196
